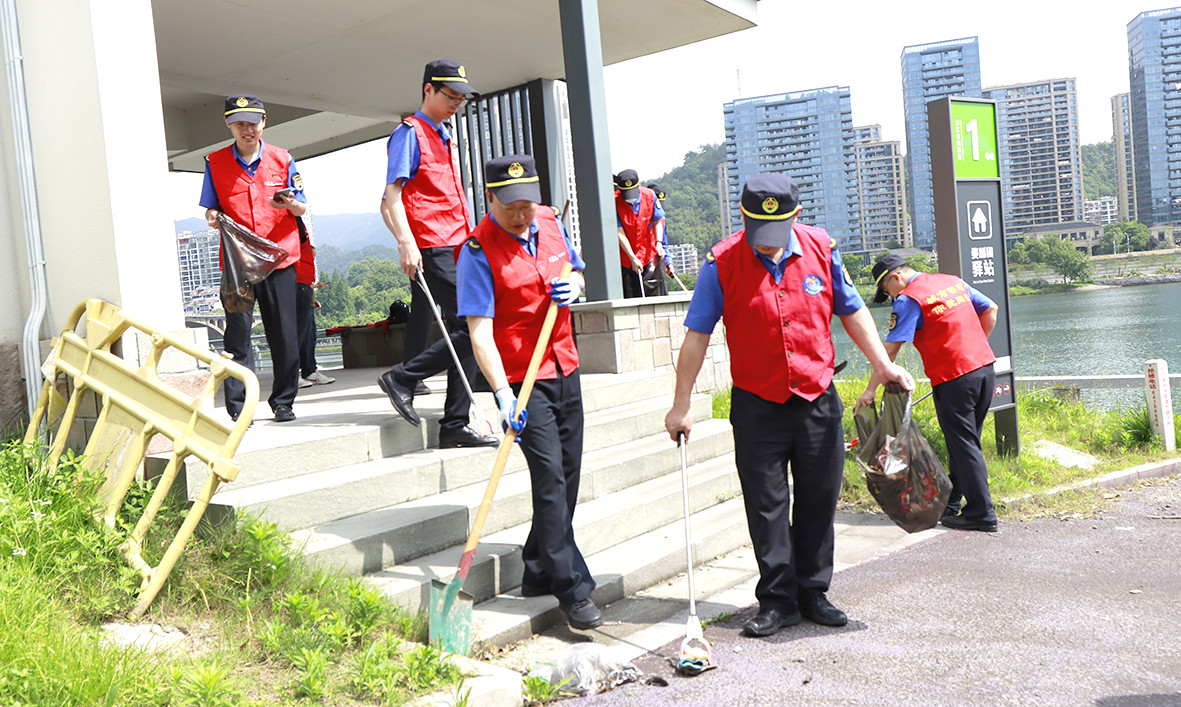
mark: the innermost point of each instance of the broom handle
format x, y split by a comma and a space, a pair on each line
506, 445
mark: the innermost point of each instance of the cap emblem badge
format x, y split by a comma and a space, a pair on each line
515, 170
462, 73
242, 101
770, 205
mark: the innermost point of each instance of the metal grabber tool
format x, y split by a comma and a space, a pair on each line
696, 655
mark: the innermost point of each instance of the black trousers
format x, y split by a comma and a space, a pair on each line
961, 405
421, 361
793, 541
305, 328
552, 445
276, 301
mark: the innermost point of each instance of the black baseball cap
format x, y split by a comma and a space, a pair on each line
658, 189
244, 108
881, 269
628, 184
513, 178
770, 203
450, 74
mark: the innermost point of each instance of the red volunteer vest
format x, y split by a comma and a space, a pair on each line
951, 342
636, 227
778, 334
434, 201
305, 268
244, 198
522, 297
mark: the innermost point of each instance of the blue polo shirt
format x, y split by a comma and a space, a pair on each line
404, 154
909, 314
473, 274
209, 194
705, 309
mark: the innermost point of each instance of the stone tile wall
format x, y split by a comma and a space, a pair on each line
626, 335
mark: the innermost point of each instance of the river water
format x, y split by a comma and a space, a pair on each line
1108, 331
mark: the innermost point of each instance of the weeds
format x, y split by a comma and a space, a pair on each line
536, 690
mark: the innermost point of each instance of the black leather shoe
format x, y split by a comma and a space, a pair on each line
962, 523
284, 414
421, 389
464, 437
583, 614
818, 609
768, 621
400, 396
950, 512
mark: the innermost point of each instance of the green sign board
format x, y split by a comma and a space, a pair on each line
973, 140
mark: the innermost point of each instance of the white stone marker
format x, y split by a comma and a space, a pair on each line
1160, 402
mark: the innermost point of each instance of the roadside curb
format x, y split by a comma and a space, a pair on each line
484, 684
1122, 477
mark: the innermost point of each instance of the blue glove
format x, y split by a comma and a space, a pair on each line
565, 290
507, 403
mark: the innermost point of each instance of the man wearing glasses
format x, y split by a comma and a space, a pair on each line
424, 207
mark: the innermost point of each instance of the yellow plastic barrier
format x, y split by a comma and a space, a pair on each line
135, 405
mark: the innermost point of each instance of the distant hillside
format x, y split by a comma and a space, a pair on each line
348, 232
691, 204
1098, 171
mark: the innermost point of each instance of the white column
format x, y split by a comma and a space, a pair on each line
99, 155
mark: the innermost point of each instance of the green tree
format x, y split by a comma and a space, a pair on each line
335, 299
1125, 235
1018, 254
692, 214
922, 263
1039, 250
1098, 170
1069, 262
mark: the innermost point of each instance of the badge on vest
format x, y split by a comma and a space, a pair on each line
813, 286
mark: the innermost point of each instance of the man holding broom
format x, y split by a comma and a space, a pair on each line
509, 271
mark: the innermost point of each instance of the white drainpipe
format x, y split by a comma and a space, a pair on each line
34, 244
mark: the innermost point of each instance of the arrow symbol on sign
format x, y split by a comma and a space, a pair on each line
979, 221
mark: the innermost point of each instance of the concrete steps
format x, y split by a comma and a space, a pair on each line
359, 488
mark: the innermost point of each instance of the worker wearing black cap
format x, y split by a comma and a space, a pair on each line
258, 186
664, 262
949, 322
775, 285
639, 222
424, 207
509, 271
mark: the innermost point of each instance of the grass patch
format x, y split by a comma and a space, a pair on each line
1020, 486
263, 626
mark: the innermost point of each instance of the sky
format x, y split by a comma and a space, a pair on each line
662, 106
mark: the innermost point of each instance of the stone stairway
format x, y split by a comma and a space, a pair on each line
358, 487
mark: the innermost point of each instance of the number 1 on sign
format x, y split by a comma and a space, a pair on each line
974, 129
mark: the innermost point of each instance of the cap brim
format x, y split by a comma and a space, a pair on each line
525, 191
629, 194
245, 116
460, 87
880, 296
769, 234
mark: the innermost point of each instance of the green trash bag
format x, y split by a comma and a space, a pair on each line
901, 471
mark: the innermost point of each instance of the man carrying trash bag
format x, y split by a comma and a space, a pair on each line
949, 322
775, 285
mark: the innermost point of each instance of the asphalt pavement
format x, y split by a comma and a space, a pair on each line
1079, 611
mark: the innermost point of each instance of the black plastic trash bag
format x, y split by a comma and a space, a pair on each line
246, 258
901, 470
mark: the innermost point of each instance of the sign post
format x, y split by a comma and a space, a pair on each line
969, 226
1160, 402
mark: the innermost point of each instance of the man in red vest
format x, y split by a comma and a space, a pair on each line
509, 271
307, 281
424, 207
775, 285
258, 186
639, 221
949, 322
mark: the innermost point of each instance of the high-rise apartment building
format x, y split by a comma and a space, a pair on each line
1154, 74
931, 71
881, 190
1041, 158
200, 273
1101, 211
1121, 146
683, 257
807, 135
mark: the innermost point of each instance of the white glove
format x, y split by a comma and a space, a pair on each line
565, 290
507, 403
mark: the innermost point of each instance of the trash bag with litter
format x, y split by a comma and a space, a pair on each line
901, 470
246, 259
591, 668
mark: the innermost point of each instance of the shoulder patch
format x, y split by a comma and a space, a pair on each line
832, 244
709, 257
557, 213
297, 181
845, 273
207, 158
893, 321
407, 123
473, 244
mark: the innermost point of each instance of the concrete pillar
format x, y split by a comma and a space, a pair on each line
583, 54
97, 126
